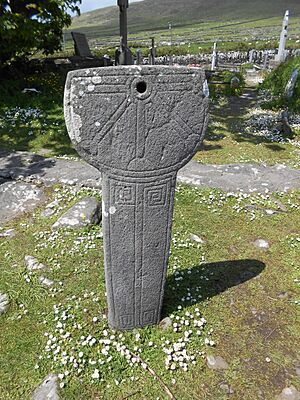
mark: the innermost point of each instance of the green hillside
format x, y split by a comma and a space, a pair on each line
155, 14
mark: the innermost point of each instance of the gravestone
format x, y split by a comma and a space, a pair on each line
251, 56
152, 54
281, 55
81, 45
138, 125
214, 57
290, 86
139, 57
266, 60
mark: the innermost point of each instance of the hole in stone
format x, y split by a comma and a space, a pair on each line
141, 87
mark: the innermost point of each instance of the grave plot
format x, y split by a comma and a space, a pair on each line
228, 319
228, 325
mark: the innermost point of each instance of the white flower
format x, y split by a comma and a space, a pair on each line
96, 374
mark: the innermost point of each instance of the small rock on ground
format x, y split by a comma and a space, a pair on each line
4, 303
8, 234
226, 388
165, 323
48, 212
47, 390
32, 263
261, 244
289, 393
196, 238
84, 213
45, 281
17, 197
216, 362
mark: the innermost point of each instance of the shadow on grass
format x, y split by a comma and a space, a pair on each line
18, 163
34, 121
207, 280
232, 118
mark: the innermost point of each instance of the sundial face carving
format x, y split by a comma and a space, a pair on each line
136, 121
138, 125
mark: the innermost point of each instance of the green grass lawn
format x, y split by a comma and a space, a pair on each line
249, 299
35, 122
225, 297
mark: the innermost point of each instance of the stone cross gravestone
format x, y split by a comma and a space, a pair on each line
138, 125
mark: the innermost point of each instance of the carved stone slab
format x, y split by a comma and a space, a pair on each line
82, 48
138, 125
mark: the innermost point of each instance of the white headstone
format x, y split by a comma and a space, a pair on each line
280, 57
214, 58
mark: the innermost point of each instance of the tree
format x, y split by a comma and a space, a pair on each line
27, 26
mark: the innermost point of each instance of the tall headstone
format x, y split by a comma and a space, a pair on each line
139, 57
152, 52
138, 125
266, 59
251, 56
280, 57
214, 58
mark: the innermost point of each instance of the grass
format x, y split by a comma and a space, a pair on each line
34, 122
276, 83
247, 296
231, 139
187, 35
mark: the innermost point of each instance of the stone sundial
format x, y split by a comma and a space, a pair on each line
138, 125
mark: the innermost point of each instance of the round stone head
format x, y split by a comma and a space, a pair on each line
136, 120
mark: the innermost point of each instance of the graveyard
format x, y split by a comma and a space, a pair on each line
150, 210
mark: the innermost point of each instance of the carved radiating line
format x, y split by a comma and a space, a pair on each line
140, 130
108, 89
183, 125
112, 120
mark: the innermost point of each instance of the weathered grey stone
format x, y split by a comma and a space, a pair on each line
138, 125
47, 390
8, 234
290, 87
16, 198
216, 362
48, 212
246, 177
82, 47
261, 244
4, 303
289, 393
84, 213
196, 238
230, 177
49, 171
165, 323
226, 388
45, 281
32, 264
